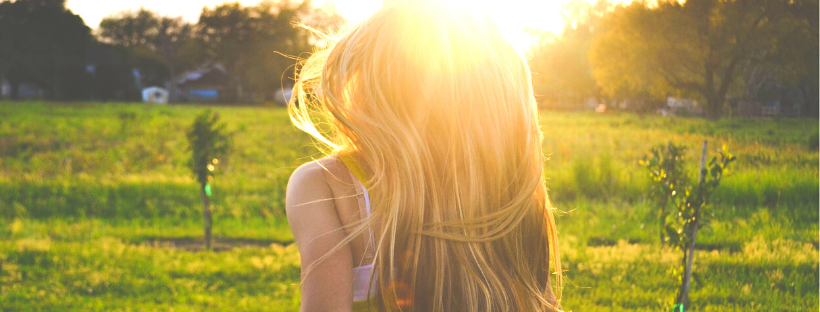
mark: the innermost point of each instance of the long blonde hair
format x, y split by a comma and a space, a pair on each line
437, 109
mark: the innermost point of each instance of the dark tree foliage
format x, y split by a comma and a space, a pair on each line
793, 62
257, 44
699, 48
44, 44
131, 29
151, 37
562, 74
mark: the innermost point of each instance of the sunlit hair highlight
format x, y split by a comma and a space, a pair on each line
437, 108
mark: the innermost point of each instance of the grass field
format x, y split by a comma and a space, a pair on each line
99, 212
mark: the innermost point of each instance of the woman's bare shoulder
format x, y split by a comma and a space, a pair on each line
328, 170
308, 174
309, 200
308, 178
317, 172
316, 182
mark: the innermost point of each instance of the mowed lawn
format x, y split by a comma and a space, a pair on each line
99, 212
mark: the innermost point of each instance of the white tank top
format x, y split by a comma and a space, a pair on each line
361, 274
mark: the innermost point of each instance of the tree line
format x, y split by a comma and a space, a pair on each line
717, 52
720, 53
43, 44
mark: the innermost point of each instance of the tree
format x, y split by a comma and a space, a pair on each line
148, 33
42, 43
693, 49
226, 32
172, 36
562, 72
692, 207
794, 62
208, 142
111, 68
131, 29
253, 43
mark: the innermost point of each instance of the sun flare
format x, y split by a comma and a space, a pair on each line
514, 17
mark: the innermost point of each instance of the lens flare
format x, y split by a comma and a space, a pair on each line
399, 294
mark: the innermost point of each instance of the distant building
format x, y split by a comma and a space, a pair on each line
155, 95
680, 106
24, 91
205, 84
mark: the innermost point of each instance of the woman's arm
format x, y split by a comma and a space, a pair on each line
317, 229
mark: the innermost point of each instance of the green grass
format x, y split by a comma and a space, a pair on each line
91, 195
106, 273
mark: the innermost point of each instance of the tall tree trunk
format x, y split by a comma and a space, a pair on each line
811, 101
56, 87
712, 104
713, 108
207, 217
2, 80
240, 95
169, 57
679, 302
15, 89
171, 86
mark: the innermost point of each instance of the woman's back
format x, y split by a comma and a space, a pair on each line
435, 109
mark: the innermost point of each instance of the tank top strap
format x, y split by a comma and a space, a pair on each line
357, 175
365, 280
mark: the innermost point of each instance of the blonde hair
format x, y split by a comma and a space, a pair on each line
437, 109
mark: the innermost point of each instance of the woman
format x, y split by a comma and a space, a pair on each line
431, 197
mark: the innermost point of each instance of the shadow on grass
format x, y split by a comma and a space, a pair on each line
731, 247
220, 243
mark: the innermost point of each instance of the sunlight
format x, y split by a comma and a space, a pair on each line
513, 16
516, 18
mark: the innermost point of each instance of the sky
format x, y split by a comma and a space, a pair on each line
513, 15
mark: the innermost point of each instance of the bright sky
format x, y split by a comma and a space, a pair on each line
513, 15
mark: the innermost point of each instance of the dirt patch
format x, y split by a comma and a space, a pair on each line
608, 242
219, 243
71, 104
